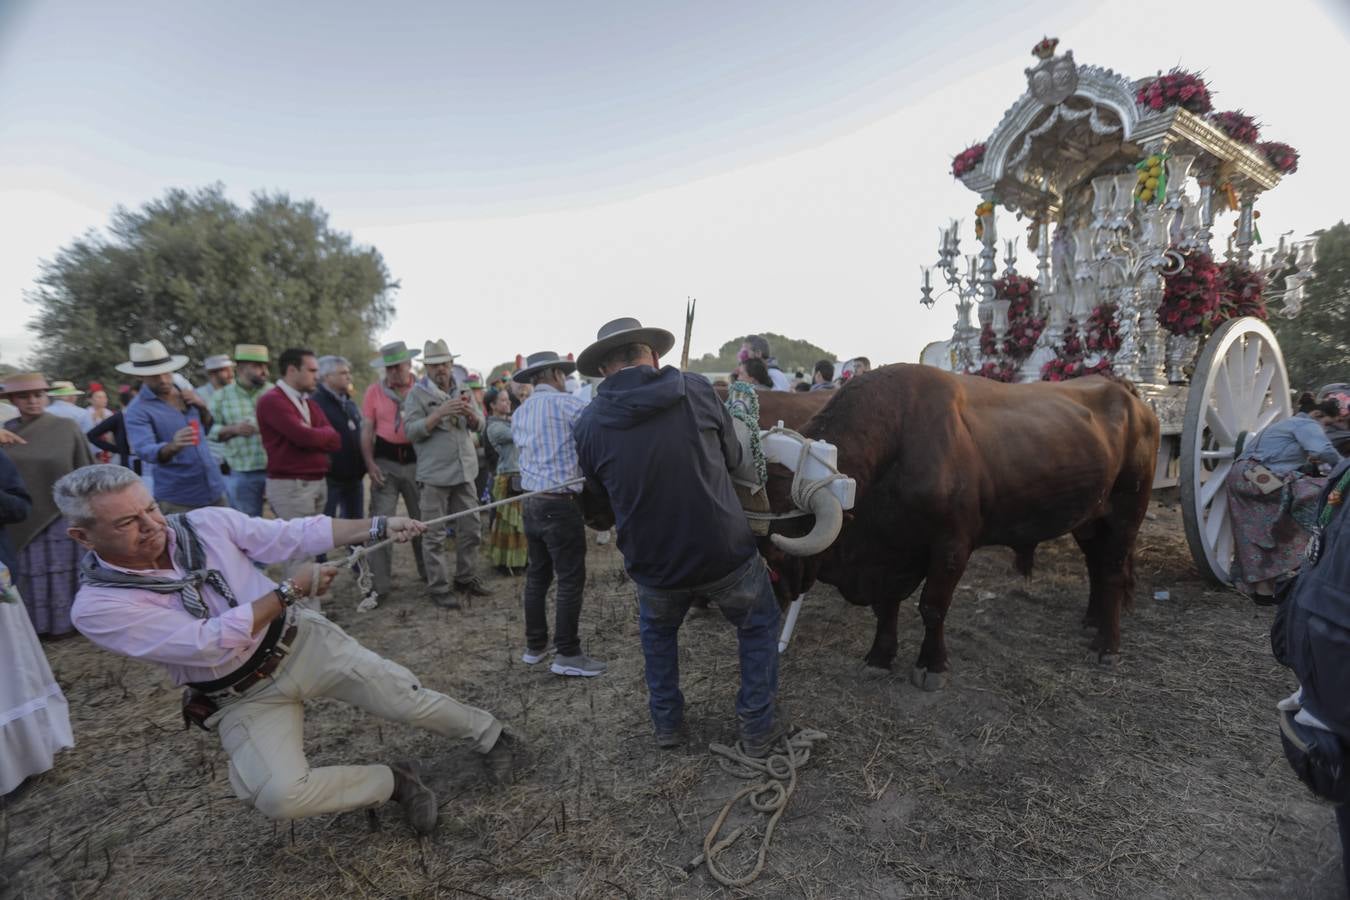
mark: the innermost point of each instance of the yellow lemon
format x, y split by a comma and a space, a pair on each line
1146, 195
1151, 183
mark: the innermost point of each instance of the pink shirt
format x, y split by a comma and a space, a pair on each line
155, 627
381, 412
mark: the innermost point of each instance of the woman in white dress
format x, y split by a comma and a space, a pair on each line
34, 718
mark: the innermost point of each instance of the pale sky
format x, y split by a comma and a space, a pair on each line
531, 170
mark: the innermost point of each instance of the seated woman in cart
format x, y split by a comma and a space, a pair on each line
1338, 430
1272, 494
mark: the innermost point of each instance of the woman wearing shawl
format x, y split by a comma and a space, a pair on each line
1271, 498
48, 559
506, 540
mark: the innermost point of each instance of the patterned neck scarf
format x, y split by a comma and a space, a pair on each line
188, 554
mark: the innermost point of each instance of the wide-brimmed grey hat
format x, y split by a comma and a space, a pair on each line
537, 362
616, 334
437, 352
392, 354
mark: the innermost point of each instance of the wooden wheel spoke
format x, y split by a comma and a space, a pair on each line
1214, 484
1217, 519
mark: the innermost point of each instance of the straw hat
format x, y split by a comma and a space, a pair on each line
434, 352
393, 354
64, 389
617, 333
151, 358
254, 353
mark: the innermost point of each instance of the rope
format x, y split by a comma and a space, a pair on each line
356, 560
803, 489
766, 796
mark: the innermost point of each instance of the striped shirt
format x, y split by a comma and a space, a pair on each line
542, 429
229, 406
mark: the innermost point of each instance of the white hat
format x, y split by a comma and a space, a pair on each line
217, 362
151, 358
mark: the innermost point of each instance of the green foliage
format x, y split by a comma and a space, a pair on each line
791, 355
200, 273
1316, 345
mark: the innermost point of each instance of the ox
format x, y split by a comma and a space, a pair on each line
948, 463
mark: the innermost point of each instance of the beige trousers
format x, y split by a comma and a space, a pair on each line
442, 501
292, 498
263, 731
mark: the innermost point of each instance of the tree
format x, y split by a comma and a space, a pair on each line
1316, 345
200, 273
791, 354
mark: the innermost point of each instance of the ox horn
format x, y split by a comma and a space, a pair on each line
829, 513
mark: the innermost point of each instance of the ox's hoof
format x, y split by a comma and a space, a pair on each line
929, 681
1108, 660
874, 672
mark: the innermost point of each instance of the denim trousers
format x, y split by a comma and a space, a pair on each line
745, 597
556, 539
246, 491
346, 499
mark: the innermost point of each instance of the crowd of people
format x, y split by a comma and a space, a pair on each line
148, 528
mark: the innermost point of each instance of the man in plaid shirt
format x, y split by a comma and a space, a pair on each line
234, 408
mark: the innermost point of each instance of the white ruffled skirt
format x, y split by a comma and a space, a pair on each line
34, 718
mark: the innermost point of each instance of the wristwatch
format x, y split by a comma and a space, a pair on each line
287, 592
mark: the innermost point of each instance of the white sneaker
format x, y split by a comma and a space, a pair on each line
579, 665
533, 657
369, 602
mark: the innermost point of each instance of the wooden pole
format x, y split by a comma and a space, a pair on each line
690, 303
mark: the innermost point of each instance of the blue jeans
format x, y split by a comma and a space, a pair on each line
556, 536
246, 491
346, 499
745, 597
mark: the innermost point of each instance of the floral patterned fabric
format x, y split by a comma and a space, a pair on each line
1270, 531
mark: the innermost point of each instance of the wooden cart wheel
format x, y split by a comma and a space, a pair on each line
1239, 387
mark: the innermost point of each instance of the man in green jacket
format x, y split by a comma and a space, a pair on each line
440, 422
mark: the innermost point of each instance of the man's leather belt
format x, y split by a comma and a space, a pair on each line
558, 495
276, 644
399, 453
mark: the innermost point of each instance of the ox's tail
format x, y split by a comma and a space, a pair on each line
1025, 559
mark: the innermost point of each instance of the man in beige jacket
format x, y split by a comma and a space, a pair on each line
440, 421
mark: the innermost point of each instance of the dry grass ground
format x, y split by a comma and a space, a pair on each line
1037, 773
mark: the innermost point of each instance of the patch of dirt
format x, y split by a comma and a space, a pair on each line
1037, 773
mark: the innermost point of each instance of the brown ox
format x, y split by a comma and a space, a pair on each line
947, 463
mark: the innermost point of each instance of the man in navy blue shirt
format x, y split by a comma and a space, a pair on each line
346, 466
662, 445
167, 426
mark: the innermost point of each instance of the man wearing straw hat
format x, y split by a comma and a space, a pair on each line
166, 426
65, 403
440, 421
184, 592
235, 409
554, 529
662, 445
219, 372
391, 460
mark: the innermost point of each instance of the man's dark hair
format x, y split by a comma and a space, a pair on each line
542, 374
825, 368
292, 358
758, 344
625, 354
801, 386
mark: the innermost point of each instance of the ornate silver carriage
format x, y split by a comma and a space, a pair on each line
1132, 182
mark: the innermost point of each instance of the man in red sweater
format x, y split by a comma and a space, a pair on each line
297, 438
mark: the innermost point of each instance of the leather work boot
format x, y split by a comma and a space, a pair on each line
472, 588
499, 763
418, 800
445, 601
